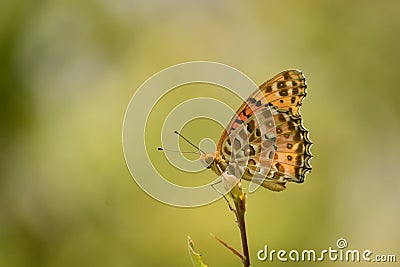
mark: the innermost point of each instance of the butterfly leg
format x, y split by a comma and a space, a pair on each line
227, 201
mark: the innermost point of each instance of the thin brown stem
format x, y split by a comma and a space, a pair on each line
240, 205
239, 199
233, 250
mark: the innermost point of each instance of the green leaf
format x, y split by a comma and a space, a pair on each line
194, 256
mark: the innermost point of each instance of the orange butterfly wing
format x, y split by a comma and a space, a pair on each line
266, 140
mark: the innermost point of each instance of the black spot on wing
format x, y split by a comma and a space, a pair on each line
281, 84
283, 92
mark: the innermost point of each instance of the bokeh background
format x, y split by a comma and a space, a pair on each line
69, 68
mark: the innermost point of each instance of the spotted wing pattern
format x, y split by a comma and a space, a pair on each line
266, 141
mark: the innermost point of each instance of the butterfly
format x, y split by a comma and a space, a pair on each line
266, 141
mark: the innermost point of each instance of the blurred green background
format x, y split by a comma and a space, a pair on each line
69, 68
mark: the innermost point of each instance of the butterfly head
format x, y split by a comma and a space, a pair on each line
208, 159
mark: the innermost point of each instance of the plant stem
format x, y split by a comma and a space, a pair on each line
240, 205
239, 199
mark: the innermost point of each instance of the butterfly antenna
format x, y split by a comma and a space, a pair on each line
170, 150
201, 151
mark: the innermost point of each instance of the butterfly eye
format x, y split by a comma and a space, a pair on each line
207, 160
